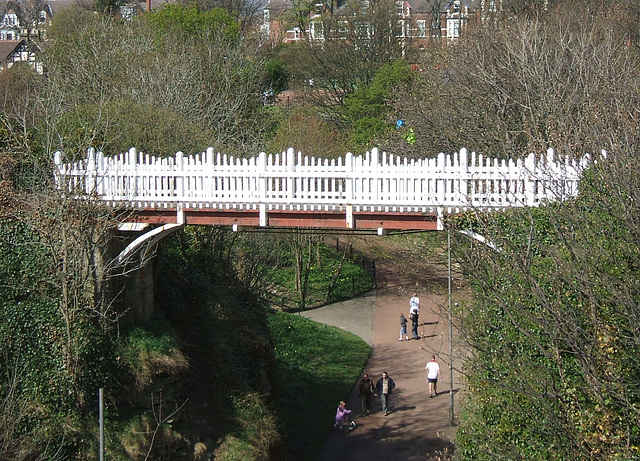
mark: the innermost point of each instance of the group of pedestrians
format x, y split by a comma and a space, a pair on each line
383, 388
385, 385
414, 315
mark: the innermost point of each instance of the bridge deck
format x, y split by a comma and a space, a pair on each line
281, 218
374, 191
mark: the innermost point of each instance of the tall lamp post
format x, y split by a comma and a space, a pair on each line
450, 331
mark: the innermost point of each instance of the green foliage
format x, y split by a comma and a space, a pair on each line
51, 399
317, 367
110, 7
307, 131
277, 74
188, 22
142, 342
366, 109
551, 328
120, 125
350, 276
226, 335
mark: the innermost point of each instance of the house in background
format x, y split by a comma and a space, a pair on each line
419, 21
16, 51
9, 26
22, 29
24, 19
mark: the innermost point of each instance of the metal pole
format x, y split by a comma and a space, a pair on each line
101, 413
450, 332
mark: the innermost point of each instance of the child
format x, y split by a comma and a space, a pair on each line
342, 417
403, 328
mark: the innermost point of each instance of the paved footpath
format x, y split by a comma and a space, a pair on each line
417, 427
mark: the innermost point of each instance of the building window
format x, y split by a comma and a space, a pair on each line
127, 12
400, 7
42, 18
315, 30
422, 28
363, 30
453, 28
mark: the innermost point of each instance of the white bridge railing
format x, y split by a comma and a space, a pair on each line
289, 181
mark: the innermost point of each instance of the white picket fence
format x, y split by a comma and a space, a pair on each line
289, 181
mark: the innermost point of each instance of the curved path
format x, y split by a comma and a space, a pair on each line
417, 427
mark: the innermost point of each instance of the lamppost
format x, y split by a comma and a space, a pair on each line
101, 421
450, 312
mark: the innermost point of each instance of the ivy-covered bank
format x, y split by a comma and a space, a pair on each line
207, 374
553, 327
54, 352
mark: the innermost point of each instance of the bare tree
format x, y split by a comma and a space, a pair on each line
102, 69
349, 45
514, 87
302, 246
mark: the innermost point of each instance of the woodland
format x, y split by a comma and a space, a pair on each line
191, 344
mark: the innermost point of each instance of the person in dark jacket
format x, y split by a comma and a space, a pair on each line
403, 328
384, 387
365, 389
414, 325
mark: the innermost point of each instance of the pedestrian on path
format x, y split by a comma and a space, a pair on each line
414, 315
403, 328
384, 388
365, 389
414, 325
342, 417
414, 304
433, 374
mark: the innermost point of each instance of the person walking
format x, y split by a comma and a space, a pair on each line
365, 389
414, 304
414, 315
403, 328
384, 388
414, 325
433, 375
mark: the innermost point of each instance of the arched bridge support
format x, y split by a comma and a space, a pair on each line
147, 241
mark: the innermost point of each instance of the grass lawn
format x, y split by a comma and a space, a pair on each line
352, 279
317, 367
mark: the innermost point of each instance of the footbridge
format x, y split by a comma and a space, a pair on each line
375, 191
